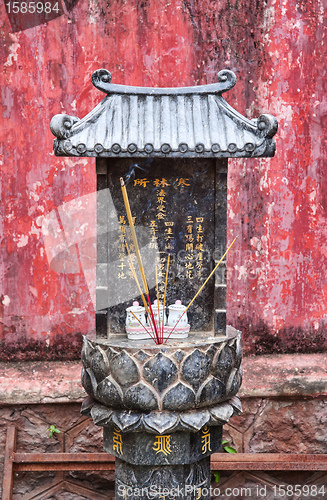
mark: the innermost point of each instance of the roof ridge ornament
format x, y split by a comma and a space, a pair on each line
101, 79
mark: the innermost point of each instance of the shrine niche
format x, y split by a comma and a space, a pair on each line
162, 398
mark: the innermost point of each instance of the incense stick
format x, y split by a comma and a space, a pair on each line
131, 225
137, 252
164, 302
201, 288
131, 265
158, 304
132, 268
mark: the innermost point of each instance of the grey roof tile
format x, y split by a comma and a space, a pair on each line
166, 122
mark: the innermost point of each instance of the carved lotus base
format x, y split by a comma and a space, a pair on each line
161, 422
179, 376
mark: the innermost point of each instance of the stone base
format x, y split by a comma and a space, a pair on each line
168, 466
165, 482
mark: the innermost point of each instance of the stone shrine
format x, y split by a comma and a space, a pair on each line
162, 407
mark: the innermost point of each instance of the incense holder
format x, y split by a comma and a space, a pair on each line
175, 327
197, 373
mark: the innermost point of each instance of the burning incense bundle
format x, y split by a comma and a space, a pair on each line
157, 329
138, 255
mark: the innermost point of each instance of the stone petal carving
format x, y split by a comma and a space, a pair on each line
222, 413
160, 372
179, 355
197, 475
141, 397
109, 393
87, 349
236, 404
171, 379
212, 392
234, 382
87, 405
89, 381
110, 353
180, 397
222, 364
195, 420
212, 350
126, 420
101, 415
160, 422
124, 369
141, 356
99, 364
160, 477
163, 422
238, 352
195, 368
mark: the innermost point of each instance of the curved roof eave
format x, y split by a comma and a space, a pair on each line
172, 122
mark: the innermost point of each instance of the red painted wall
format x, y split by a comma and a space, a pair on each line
277, 272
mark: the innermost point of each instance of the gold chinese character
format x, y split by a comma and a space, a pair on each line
122, 219
189, 265
205, 440
140, 182
161, 208
169, 223
118, 441
199, 219
153, 223
189, 237
188, 256
199, 228
169, 230
122, 276
161, 199
189, 228
162, 445
182, 182
162, 182
189, 247
199, 237
160, 215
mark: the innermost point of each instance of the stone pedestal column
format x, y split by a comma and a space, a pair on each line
162, 409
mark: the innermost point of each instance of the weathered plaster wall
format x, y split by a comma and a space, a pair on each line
277, 48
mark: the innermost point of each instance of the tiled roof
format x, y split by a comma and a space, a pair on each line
184, 122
